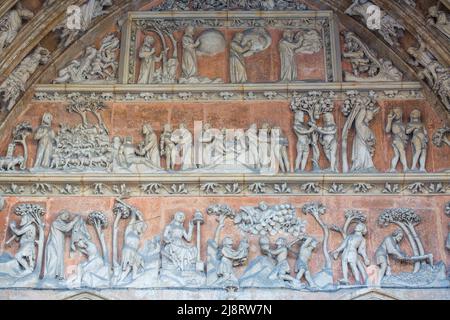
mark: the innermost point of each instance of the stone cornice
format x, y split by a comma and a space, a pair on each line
194, 184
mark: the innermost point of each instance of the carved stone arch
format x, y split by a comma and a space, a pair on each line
371, 294
85, 296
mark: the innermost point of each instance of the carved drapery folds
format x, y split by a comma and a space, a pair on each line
11, 23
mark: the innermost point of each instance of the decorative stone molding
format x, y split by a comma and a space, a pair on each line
221, 184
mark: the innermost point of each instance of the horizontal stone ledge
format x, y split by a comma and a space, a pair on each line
177, 88
193, 185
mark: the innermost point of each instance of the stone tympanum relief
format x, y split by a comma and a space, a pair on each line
11, 23
177, 49
390, 29
366, 66
17, 82
173, 259
95, 65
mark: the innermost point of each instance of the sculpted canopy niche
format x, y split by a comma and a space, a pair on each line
242, 148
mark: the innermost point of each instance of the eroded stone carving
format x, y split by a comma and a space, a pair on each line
94, 65
360, 111
439, 19
270, 220
425, 274
390, 29
447, 212
45, 137
16, 83
441, 137
88, 12
366, 66
10, 161
293, 43
11, 23
431, 71
25, 267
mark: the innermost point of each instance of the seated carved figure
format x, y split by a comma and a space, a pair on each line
177, 253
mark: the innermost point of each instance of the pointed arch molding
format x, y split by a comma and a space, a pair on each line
44, 22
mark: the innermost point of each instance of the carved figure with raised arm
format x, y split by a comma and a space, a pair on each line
396, 127
303, 133
238, 72
353, 246
147, 54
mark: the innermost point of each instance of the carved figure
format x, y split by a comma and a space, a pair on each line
282, 270
440, 19
419, 140
168, 147
441, 137
399, 138
45, 137
182, 138
189, 60
176, 252
149, 148
352, 246
287, 46
238, 73
360, 112
11, 23
390, 29
94, 65
148, 72
328, 139
307, 247
364, 60
89, 11
280, 144
303, 133
16, 83
390, 248
26, 234
54, 258
251, 137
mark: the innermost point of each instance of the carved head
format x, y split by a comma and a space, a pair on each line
398, 235
117, 141
190, 30
183, 126
415, 116
328, 118
146, 129
361, 227
238, 37
64, 215
281, 242
179, 217
300, 116
25, 219
167, 127
149, 40
264, 243
227, 242
398, 113
206, 126
140, 227
288, 35
47, 119
433, 11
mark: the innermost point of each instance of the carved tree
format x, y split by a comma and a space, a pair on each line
316, 209
20, 134
406, 219
99, 220
121, 211
351, 216
77, 106
36, 212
